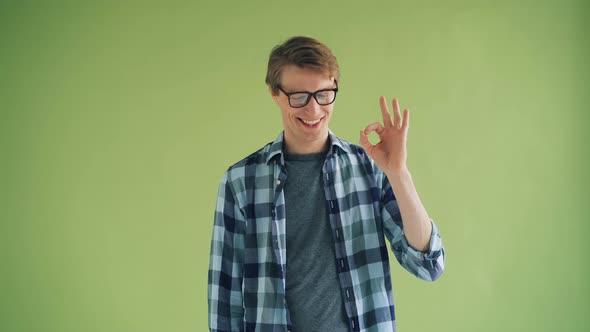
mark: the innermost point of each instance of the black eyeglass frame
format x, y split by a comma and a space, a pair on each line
309, 94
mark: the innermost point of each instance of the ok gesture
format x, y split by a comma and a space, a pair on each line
390, 152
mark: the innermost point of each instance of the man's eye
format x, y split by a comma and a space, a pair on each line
298, 97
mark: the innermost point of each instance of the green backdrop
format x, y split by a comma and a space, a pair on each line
119, 118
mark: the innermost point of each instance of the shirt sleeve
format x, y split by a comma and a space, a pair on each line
224, 292
424, 265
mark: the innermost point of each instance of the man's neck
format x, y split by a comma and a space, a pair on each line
305, 147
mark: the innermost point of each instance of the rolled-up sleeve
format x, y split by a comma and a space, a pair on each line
424, 265
224, 292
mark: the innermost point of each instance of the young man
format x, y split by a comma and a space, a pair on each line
300, 225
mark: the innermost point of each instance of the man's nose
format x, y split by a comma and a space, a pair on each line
313, 105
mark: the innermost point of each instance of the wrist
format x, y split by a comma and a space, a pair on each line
398, 172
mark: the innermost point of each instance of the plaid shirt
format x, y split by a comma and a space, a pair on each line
246, 282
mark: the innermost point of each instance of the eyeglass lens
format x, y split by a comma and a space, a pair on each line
322, 97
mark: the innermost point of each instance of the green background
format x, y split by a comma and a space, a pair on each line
118, 120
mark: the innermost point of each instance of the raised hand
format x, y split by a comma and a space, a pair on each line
390, 153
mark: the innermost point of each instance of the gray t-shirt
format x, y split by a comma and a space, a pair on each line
314, 297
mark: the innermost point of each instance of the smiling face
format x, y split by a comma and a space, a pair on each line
306, 128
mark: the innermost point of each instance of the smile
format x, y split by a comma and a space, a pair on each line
311, 123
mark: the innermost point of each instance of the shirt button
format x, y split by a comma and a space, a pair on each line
278, 182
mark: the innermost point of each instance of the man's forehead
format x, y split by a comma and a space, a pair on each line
305, 79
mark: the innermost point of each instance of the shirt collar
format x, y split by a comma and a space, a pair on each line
276, 147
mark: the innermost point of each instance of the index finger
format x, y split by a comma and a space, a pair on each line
387, 121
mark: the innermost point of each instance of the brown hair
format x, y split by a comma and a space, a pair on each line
304, 52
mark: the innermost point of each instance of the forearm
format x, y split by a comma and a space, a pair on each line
417, 225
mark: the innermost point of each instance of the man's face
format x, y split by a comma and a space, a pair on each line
306, 128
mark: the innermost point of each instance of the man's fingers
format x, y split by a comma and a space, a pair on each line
385, 112
396, 114
364, 140
376, 127
406, 123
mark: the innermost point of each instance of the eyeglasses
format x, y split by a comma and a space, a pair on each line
299, 99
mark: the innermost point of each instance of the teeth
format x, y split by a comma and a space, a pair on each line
311, 123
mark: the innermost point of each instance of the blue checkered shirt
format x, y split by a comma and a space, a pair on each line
246, 281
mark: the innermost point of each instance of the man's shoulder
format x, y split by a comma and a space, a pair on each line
350, 147
359, 159
352, 151
240, 176
257, 157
